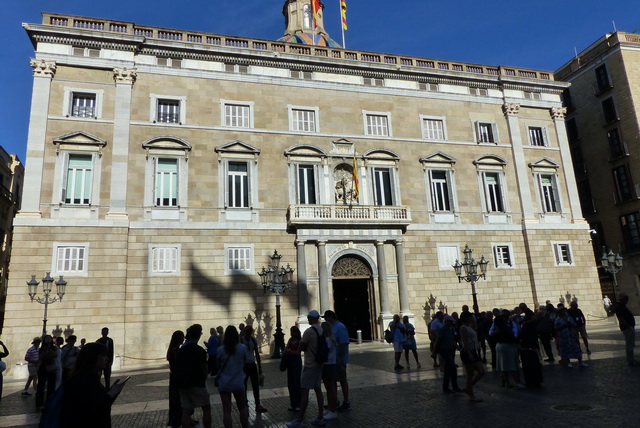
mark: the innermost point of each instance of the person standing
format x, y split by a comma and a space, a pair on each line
410, 344
581, 323
568, 337
607, 305
329, 373
445, 347
232, 359
108, 342
470, 355
294, 367
85, 401
628, 327
432, 328
59, 341
31, 357
253, 367
69, 355
191, 369
398, 330
311, 372
341, 333
47, 358
3, 366
175, 409
212, 350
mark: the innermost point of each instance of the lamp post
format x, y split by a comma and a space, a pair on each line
47, 281
277, 280
471, 272
612, 263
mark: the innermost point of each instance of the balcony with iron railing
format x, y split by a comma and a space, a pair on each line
120, 27
348, 215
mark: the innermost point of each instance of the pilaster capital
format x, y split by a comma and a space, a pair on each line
125, 75
300, 243
379, 243
398, 242
510, 109
42, 68
321, 243
558, 113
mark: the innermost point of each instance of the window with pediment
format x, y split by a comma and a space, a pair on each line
382, 171
238, 175
493, 187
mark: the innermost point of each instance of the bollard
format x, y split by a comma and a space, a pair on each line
359, 334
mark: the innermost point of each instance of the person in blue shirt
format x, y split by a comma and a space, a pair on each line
342, 337
212, 350
398, 329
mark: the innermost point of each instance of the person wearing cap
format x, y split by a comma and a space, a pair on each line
445, 347
32, 358
627, 325
311, 371
342, 337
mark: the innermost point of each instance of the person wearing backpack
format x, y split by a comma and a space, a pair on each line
314, 346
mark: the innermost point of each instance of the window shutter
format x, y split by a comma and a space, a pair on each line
225, 181
545, 138
494, 129
65, 178
392, 185
434, 196
476, 127
451, 190
155, 180
178, 172
316, 183
250, 168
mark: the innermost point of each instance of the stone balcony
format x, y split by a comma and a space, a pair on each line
348, 216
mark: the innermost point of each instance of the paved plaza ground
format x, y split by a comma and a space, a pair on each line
604, 394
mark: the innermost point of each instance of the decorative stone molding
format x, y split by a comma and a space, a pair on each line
558, 113
125, 75
42, 68
510, 109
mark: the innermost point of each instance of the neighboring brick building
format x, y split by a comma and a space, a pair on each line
603, 128
165, 166
11, 178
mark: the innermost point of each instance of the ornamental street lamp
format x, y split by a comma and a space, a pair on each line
612, 263
277, 280
47, 281
471, 272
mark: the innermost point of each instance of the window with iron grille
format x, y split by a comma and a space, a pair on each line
168, 111
83, 105
624, 185
616, 144
537, 136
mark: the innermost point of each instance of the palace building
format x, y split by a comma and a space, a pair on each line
165, 166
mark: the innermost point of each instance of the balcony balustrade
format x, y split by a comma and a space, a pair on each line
351, 215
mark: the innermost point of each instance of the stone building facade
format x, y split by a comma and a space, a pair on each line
165, 166
604, 135
11, 178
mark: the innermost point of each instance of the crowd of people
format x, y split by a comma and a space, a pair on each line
68, 378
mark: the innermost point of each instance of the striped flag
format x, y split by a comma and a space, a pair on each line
316, 6
343, 9
354, 179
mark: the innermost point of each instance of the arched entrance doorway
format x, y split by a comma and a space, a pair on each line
353, 296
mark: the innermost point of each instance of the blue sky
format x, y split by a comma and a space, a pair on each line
539, 34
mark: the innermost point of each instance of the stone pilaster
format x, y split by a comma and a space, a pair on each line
43, 73
303, 292
323, 285
511, 112
124, 79
403, 291
558, 115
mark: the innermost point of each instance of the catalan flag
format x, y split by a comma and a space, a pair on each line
343, 12
316, 6
354, 179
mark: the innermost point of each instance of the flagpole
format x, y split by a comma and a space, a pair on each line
344, 45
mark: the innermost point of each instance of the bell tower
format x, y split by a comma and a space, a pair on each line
298, 18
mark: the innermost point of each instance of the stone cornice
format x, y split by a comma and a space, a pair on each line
42, 68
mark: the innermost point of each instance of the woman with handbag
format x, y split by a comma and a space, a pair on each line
232, 358
293, 362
